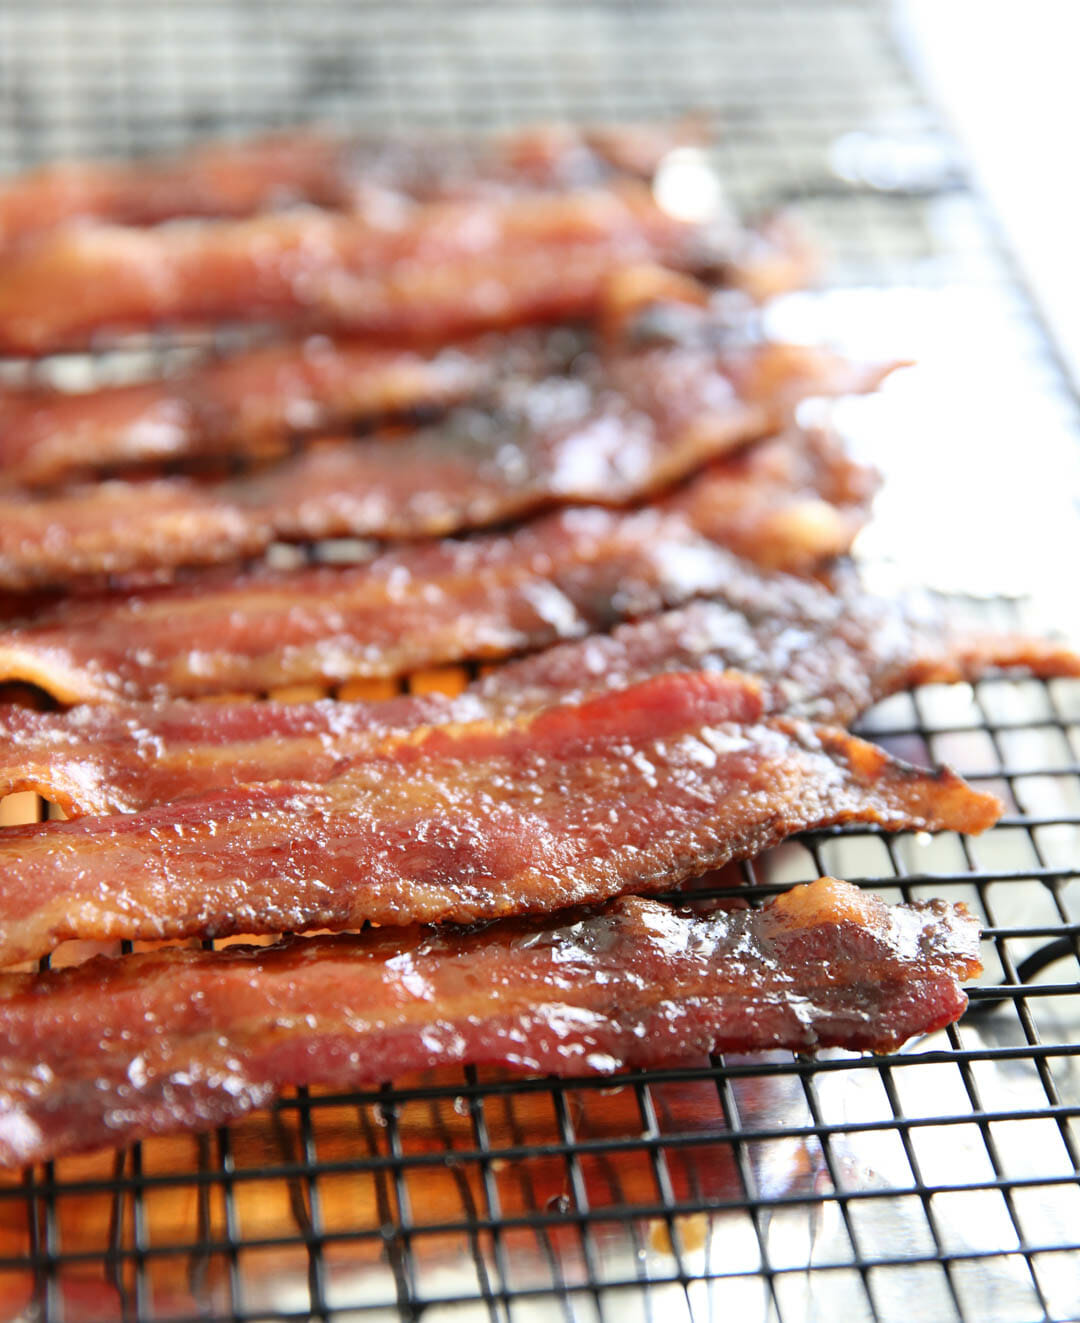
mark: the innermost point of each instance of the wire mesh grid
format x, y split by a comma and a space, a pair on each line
942, 1182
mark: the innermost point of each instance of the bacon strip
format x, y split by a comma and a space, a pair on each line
825, 654
188, 1039
816, 655
629, 792
610, 435
795, 500
652, 324
449, 269
248, 404
238, 179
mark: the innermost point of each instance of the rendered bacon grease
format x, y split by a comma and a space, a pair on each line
634, 791
117, 1049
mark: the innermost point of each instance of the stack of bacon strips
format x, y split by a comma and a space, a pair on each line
496, 366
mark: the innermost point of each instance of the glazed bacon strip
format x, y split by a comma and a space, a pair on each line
449, 269
237, 179
609, 436
658, 338
633, 791
186, 1039
795, 500
214, 179
248, 404
824, 654
816, 654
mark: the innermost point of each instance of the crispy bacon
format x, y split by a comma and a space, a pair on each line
628, 792
187, 1039
447, 269
609, 433
794, 500
825, 654
816, 654
240, 178
248, 404
657, 333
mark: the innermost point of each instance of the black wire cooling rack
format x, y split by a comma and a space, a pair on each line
941, 1183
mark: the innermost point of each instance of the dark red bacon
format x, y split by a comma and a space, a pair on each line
118, 1049
240, 178
629, 792
609, 433
816, 654
445, 269
794, 501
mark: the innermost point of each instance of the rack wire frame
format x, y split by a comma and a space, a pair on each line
943, 1180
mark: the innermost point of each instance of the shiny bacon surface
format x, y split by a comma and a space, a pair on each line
115, 1050
240, 178
247, 404
816, 654
445, 269
610, 432
633, 791
795, 500
655, 330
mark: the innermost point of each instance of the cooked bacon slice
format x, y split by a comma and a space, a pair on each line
674, 361
795, 500
816, 654
629, 792
448, 269
240, 178
825, 654
609, 434
216, 179
187, 1039
652, 325
248, 404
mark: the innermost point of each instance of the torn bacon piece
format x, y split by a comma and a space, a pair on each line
628, 792
448, 269
187, 1039
610, 433
237, 179
816, 655
795, 501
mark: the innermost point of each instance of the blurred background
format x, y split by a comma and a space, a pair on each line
872, 119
